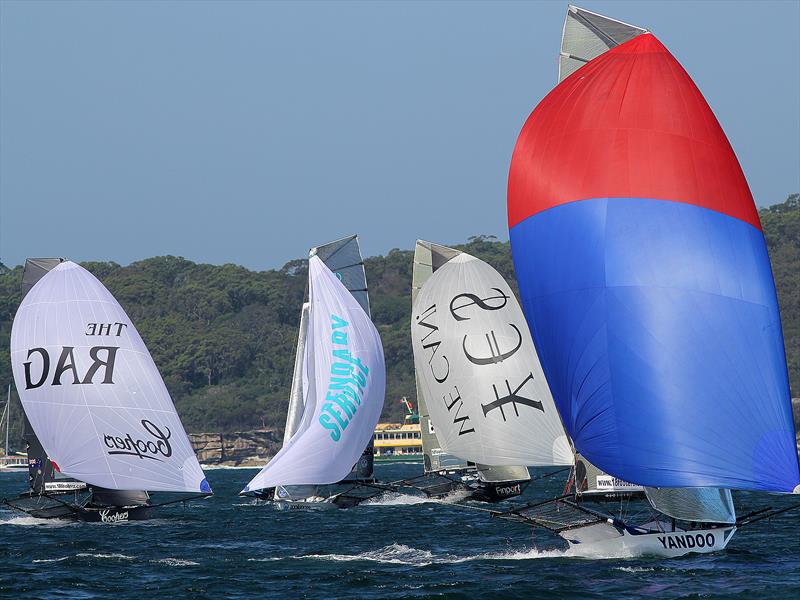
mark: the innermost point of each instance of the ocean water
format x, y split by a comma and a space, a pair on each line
398, 547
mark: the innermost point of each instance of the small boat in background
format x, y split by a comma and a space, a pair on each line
17, 461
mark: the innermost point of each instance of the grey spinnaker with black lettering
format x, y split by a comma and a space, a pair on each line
475, 359
343, 257
91, 391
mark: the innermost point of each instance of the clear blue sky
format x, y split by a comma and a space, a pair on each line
247, 132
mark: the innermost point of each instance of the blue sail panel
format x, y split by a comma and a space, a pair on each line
658, 329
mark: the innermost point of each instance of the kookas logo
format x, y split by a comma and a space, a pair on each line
157, 446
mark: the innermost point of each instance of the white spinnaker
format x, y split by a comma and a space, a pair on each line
703, 505
112, 425
473, 353
346, 386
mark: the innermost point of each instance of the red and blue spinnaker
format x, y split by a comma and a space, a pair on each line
646, 282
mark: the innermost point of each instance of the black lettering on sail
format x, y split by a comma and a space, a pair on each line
474, 300
63, 366
513, 397
434, 345
462, 422
496, 355
29, 385
108, 363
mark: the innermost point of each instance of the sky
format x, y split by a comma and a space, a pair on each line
248, 132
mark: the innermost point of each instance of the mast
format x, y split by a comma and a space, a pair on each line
8, 415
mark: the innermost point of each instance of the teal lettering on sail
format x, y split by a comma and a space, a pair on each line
348, 379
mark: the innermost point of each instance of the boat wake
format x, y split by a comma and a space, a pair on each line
395, 499
400, 554
401, 499
33, 521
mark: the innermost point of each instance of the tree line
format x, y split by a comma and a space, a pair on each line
224, 337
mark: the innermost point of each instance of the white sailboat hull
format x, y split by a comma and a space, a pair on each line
604, 539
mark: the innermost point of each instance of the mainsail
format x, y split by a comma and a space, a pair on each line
703, 505
346, 386
92, 392
477, 365
587, 35
646, 281
427, 258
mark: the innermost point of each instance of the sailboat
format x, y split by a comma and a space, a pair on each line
337, 392
646, 283
486, 411
101, 429
9, 462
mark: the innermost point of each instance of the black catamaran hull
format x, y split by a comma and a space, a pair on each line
44, 506
440, 485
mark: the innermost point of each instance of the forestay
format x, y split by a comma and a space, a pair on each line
346, 385
706, 505
91, 391
479, 371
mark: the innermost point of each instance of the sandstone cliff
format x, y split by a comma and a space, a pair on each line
239, 449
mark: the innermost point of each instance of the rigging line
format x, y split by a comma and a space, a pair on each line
768, 515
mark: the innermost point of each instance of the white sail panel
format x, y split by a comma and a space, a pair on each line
346, 386
476, 363
91, 391
702, 505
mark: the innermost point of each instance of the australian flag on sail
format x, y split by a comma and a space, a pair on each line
646, 281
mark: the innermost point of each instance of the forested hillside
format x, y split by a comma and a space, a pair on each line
224, 337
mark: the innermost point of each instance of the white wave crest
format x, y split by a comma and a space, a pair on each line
406, 555
114, 556
49, 560
176, 562
33, 521
395, 499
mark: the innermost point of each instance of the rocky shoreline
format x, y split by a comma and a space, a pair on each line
238, 449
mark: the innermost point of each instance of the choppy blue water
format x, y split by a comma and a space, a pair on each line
228, 547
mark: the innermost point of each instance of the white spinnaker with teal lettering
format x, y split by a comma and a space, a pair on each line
346, 386
484, 386
110, 423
